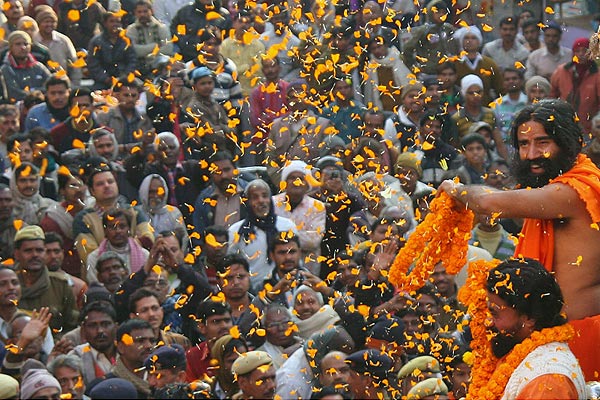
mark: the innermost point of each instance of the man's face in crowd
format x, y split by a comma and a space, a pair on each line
271, 69
6, 204
532, 34
431, 130
111, 273
13, 10
536, 93
215, 326
260, 201
306, 305
74, 191
9, 125
343, 90
286, 256
460, 377
279, 328
128, 97
508, 326
58, 96
71, 381
357, 384
104, 187
475, 154
347, 272
143, 14
136, 352
296, 186
539, 156
54, 256
443, 281
470, 43
374, 124
156, 193
498, 176
413, 102
508, 32
512, 82
117, 231
552, 38
215, 252
408, 178
174, 246
235, 282
205, 86
223, 176
474, 96
84, 107
149, 309
168, 150
47, 25
334, 371
260, 383
28, 183
99, 330
10, 287
105, 146
112, 25
30, 255
158, 283
447, 78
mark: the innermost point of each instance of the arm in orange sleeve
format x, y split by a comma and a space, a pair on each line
549, 386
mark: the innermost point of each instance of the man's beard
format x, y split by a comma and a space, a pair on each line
502, 343
552, 167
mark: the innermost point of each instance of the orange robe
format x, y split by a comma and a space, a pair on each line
537, 242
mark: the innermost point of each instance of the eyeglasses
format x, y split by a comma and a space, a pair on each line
279, 324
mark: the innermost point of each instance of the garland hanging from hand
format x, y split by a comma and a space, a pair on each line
442, 236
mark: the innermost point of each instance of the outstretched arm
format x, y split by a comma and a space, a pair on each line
552, 201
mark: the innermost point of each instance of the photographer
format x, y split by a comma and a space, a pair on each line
288, 275
166, 264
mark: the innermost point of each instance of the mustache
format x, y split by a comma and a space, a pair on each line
552, 167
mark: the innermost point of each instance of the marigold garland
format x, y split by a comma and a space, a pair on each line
443, 235
488, 378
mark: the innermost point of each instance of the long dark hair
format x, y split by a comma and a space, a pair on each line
531, 290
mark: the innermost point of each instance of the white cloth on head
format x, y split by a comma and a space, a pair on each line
469, 81
294, 166
462, 32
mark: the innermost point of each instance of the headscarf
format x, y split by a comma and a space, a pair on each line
26, 208
267, 224
225, 377
143, 192
581, 66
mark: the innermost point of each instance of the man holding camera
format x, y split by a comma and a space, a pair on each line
288, 274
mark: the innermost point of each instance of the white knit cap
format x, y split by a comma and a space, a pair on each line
469, 81
462, 32
294, 166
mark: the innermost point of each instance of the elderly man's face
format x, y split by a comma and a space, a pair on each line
306, 305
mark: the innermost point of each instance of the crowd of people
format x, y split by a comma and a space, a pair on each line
204, 199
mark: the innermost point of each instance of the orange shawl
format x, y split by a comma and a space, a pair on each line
537, 236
